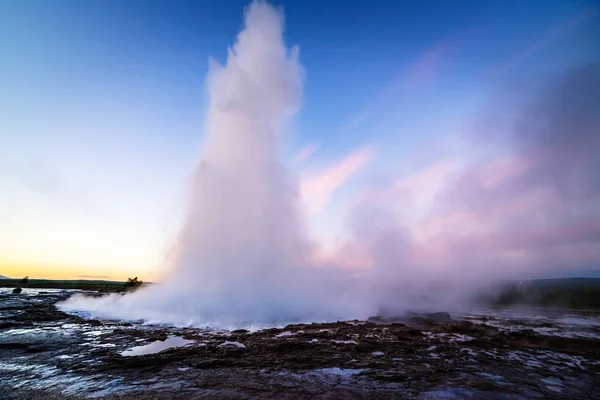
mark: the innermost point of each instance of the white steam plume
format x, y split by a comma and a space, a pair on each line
244, 258
242, 255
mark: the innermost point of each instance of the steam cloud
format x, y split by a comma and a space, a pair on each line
244, 256
243, 252
528, 207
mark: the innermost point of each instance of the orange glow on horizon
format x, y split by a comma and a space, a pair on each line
17, 270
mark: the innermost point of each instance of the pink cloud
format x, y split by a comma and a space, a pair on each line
318, 189
484, 220
306, 153
427, 66
503, 252
428, 176
483, 198
525, 204
484, 226
412, 193
498, 170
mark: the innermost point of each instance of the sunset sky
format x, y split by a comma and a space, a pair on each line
102, 109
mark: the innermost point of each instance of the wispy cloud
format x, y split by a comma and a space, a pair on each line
427, 66
428, 176
318, 189
557, 33
532, 211
413, 192
421, 71
306, 153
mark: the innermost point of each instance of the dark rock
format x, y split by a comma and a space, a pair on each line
464, 327
162, 336
522, 333
441, 317
300, 366
17, 290
8, 325
413, 332
35, 349
14, 346
486, 385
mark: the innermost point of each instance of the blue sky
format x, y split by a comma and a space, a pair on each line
102, 106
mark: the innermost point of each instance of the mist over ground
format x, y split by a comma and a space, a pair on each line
529, 203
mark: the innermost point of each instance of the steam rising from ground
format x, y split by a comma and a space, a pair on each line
244, 257
243, 254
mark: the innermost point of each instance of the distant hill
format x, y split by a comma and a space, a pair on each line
577, 293
66, 284
4, 277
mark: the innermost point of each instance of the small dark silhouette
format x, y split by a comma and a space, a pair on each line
17, 290
132, 283
24, 281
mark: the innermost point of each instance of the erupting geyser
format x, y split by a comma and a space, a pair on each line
428, 241
242, 255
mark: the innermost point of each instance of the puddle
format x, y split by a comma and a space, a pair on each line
344, 341
342, 372
158, 346
236, 344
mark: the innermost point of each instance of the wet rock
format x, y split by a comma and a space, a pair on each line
415, 320
161, 336
391, 358
8, 325
441, 317
468, 328
14, 346
410, 333
35, 349
17, 290
523, 333
581, 346
486, 385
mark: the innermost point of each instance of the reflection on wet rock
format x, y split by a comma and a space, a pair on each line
485, 354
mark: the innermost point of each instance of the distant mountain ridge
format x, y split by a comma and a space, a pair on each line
4, 277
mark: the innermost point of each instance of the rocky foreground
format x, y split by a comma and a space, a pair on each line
47, 354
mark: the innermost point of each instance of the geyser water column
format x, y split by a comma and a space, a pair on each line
242, 255
242, 237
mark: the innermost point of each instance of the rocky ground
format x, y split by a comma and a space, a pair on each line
47, 354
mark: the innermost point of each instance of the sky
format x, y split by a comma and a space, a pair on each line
102, 108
